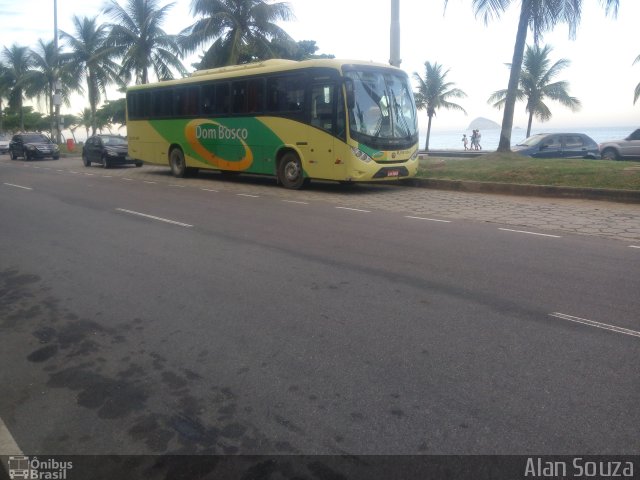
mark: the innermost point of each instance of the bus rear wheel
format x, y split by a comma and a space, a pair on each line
290, 174
177, 163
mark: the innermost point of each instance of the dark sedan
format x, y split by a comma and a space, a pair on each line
32, 145
107, 150
558, 145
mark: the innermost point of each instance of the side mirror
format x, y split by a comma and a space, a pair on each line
350, 92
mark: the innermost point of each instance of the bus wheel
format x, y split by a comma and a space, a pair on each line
177, 163
290, 171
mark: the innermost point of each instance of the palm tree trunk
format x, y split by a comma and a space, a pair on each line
514, 77
426, 147
529, 124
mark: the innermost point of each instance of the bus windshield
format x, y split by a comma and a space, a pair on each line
383, 114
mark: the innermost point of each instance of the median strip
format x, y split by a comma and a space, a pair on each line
592, 323
153, 217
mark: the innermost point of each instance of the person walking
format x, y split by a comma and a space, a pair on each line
465, 141
478, 137
473, 140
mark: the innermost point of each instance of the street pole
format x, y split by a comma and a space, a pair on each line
56, 66
395, 33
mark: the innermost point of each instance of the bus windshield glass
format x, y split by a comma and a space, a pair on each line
383, 114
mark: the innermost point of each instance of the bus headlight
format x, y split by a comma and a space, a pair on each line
361, 155
414, 156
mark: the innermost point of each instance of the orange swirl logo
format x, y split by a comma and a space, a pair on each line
198, 130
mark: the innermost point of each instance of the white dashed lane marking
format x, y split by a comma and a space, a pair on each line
153, 217
592, 323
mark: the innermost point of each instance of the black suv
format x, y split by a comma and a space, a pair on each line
32, 145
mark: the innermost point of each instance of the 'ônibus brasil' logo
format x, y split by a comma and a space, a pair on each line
232, 151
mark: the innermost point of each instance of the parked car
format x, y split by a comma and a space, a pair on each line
108, 150
621, 149
4, 143
32, 145
558, 145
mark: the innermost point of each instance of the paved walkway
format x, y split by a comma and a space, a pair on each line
587, 217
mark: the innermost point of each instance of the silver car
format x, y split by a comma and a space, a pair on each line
4, 143
622, 149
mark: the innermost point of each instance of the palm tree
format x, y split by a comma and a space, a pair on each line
536, 85
93, 59
242, 30
636, 92
141, 42
541, 16
45, 74
5, 87
17, 74
434, 93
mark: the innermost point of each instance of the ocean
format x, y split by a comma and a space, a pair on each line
452, 139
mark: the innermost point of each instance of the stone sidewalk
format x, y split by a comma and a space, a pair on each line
619, 221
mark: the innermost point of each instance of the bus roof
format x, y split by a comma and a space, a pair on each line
262, 67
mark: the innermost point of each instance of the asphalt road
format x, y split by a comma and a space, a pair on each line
164, 317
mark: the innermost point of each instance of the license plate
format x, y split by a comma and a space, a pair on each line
393, 173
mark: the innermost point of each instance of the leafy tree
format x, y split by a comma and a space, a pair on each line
26, 119
94, 59
536, 85
17, 74
241, 30
434, 92
540, 16
140, 41
113, 112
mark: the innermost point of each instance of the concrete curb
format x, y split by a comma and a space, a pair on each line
625, 196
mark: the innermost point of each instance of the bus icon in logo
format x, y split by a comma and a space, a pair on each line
18, 467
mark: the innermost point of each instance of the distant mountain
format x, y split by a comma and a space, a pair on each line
482, 123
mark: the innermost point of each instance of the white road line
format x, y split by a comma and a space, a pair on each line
127, 179
354, 209
634, 246
160, 219
58, 170
177, 186
530, 233
247, 195
295, 201
8, 445
146, 181
209, 190
73, 171
18, 186
428, 219
592, 323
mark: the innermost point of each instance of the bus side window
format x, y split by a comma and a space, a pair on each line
322, 111
207, 96
239, 95
286, 94
222, 98
255, 95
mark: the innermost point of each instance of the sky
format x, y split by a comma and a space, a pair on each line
601, 74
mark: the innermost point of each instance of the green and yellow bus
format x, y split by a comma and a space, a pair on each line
315, 119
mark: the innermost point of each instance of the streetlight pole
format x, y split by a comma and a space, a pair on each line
56, 69
395, 33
